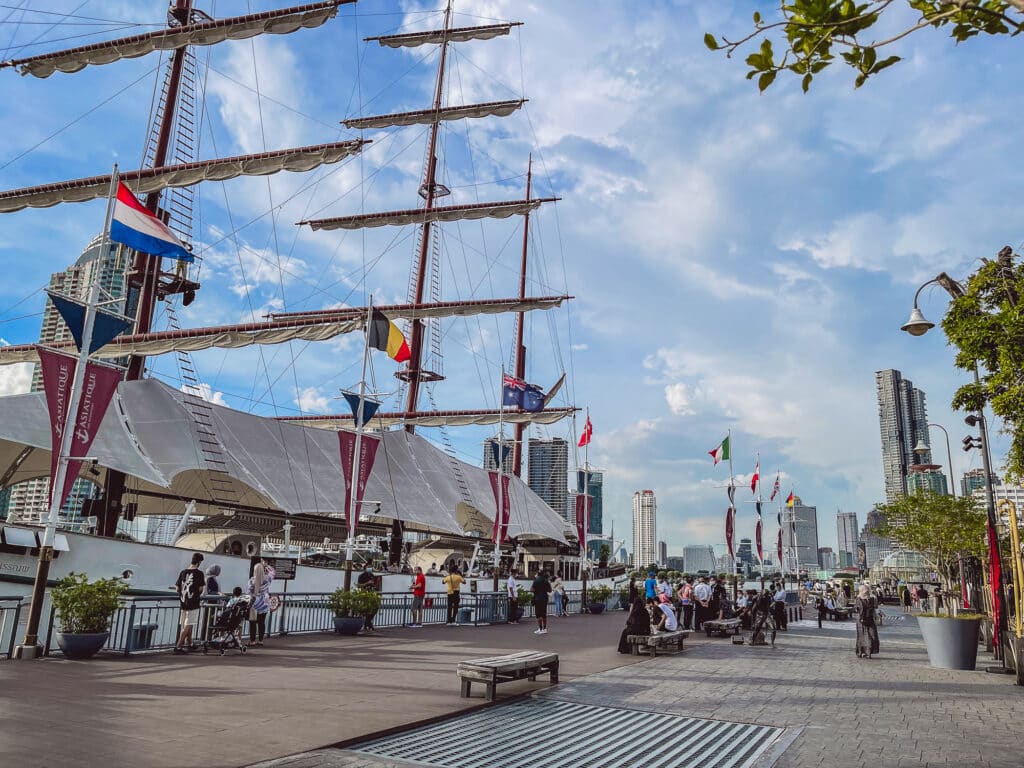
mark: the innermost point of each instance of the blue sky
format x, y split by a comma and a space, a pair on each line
740, 261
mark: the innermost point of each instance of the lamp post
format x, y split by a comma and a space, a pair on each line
917, 325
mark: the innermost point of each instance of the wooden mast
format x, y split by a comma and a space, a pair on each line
412, 373
520, 429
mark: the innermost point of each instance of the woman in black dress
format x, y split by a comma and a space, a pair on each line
637, 623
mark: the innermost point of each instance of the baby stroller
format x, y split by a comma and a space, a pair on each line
226, 630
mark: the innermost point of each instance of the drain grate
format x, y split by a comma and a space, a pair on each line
544, 733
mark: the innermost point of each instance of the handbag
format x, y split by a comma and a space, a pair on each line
252, 614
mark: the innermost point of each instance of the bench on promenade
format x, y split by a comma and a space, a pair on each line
722, 626
504, 669
672, 641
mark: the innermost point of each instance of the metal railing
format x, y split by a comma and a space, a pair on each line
10, 615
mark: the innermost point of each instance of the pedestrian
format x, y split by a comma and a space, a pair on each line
368, 581
453, 583
541, 588
419, 591
638, 622
259, 588
867, 631
685, 595
558, 589
906, 599
779, 606
819, 603
664, 588
433, 570
702, 606
512, 590
937, 598
190, 586
664, 616
922, 598
212, 584
650, 587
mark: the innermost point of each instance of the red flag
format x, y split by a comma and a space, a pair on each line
588, 429
367, 454
500, 532
995, 576
583, 505
757, 536
756, 477
781, 566
729, 530
775, 489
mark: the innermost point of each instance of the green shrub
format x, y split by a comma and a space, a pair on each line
599, 594
84, 607
961, 616
354, 604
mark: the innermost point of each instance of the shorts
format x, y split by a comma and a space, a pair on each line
189, 618
540, 608
417, 602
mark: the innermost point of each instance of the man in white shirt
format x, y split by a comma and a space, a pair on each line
702, 603
512, 589
666, 621
779, 606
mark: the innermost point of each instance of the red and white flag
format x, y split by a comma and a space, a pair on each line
588, 430
775, 489
756, 477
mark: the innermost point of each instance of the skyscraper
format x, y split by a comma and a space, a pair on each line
30, 500
800, 525
745, 553
662, 553
645, 528
927, 477
846, 525
975, 479
875, 546
548, 474
699, 557
592, 482
490, 462
903, 424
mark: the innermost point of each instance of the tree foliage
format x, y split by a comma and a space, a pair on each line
84, 606
814, 34
986, 326
940, 527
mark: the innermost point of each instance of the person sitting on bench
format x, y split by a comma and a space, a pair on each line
666, 621
637, 623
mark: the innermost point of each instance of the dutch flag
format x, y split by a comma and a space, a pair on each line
140, 230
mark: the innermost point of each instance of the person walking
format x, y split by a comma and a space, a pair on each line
650, 586
419, 591
702, 606
922, 598
779, 606
541, 588
867, 630
453, 583
685, 595
190, 587
512, 590
906, 599
558, 589
937, 598
259, 588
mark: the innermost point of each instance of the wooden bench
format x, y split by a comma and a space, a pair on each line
672, 641
722, 626
503, 669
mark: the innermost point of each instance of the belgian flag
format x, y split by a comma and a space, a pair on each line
385, 336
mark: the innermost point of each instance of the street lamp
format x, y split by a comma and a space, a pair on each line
917, 325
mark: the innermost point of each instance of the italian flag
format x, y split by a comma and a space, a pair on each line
721, 453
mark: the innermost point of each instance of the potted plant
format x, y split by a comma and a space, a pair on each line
624, 598
597, 598
351, 609
942, 528
524, 601
84, 610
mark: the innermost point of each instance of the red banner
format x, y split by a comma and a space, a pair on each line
995, 577
729, 514
367, 455
500, 532
781, 564
583, 505
757, 536
98, 387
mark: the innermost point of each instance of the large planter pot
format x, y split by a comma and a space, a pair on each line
951, 643
85, 646
348, 625
596, 608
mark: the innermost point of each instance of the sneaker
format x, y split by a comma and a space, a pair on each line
542, 632
450, 624
180, 651
418, 626
538, 631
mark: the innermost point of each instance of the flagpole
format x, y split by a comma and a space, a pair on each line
732, 512
586, 516
500, 494
30, 648
350, 541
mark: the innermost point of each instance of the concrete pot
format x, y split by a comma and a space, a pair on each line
348, 625
951, 643
81, 646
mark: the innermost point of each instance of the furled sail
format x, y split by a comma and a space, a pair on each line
455, 35
435, 418
313, 326
430, 116
279, 22
420, 215
149, 180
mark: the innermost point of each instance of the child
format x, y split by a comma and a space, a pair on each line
235, 594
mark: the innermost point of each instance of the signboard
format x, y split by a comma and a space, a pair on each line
284, 567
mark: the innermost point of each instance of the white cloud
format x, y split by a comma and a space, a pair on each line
679, 397
15, 379
311, 400
205, 392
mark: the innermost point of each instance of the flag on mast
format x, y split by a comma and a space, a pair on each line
384, 335
588, 430
136, 227
756, 477
790, 500
721, 453
775, 489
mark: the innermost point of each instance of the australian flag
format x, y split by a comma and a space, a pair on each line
516, 393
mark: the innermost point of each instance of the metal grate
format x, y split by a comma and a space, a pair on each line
544, 733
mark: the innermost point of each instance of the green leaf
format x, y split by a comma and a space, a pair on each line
757, 17
861, 79
806, 82
710, 42
869, 59
765, 80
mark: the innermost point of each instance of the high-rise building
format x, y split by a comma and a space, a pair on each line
491, 454
927, 477
699, 557
903, 424
874, 545
826, 558
548, 474
30, 500
645, 528
846, 527
592, 482
674, 563
975, 479
745, 553
662, 553
800, 535
999, 491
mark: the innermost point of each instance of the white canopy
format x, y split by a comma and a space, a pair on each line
431, 116
149, 434
277, 22
421, 215
438, 418
454, 35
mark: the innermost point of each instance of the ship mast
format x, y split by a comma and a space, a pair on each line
412, 374
520, 428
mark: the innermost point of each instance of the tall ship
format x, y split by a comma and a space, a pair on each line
172, 462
